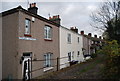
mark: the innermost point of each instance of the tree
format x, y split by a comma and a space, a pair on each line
112, 55
107, 18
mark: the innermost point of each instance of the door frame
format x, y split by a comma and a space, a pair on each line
26, 56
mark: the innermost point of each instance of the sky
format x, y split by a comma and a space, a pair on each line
72, 14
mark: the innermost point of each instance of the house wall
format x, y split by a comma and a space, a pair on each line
0, 47
65, 47
86, 44
9, 46
38, 47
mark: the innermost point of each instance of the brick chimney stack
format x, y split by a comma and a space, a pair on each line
74, 29
103, 37
95, 36
55, 19
89, 34
100, 37
33, 9
82, 32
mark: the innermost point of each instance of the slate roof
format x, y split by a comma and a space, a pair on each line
19, 8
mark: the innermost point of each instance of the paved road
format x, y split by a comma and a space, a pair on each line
87, 70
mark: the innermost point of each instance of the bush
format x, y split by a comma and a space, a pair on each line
112, 64
93, 55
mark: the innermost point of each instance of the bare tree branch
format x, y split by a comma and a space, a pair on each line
107, 12
107, 18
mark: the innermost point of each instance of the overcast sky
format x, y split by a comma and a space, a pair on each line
71, 13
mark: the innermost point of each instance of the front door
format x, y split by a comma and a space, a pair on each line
69, 56
26, 67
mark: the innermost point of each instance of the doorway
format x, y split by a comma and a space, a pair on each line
26, 66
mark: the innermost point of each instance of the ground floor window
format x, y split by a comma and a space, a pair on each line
78, 54
73, 55
48, 61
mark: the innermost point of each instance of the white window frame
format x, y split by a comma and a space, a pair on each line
69, 38
47, 32
27, 26
48, 62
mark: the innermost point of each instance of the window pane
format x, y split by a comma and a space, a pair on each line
27, 26
48, 32
73, 54
69, 38
45, 61
47, 58
45, 32
78, 53
78, 40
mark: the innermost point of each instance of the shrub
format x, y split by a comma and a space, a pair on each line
93, 55
112, 64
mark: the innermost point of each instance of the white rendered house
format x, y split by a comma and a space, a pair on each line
71, 44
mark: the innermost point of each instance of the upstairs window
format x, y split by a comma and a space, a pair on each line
47, 58
48, 32
69, 38
27, 26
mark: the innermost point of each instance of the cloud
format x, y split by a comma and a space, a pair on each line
71, 13
55, 0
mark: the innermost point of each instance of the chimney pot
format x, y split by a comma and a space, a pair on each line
89, 34
50, 18
30, 5
55, 19
33, 8
95, 36
82, 32
71, 28
58, 16
34, 4
74, 29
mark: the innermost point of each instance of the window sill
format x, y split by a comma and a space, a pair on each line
48, 39
27, 35
47, 68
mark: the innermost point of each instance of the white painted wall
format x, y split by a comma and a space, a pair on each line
65, 47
